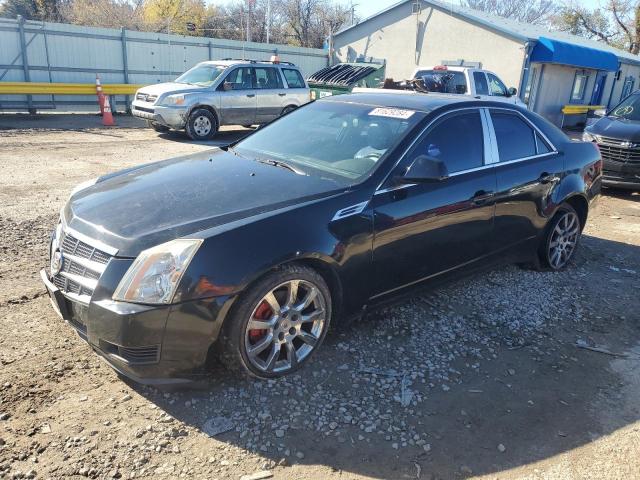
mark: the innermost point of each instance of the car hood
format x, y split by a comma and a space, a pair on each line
170, 87
158, 202
616, 128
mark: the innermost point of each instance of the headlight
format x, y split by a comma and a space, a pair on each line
588, 137
82, 186
156, 273
173, 100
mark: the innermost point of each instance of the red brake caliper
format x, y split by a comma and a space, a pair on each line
263, 312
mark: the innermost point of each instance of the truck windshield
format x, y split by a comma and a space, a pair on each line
443, 81
628, 109
201, 75
345, 141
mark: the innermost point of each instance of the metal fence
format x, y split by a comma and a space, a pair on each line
55, 52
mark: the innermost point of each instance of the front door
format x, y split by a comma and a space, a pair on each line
238, 101
271, 94
425, 229
528, 170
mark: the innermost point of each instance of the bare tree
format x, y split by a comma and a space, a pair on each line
105, 13
534, 12
616, 24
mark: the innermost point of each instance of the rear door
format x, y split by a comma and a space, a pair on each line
422, 230
297, 90
270, 92
238, 105
527, 171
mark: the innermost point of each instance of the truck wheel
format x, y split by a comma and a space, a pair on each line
157, 127
202, 125
277, 324
288, 109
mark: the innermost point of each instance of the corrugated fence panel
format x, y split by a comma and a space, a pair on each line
75, 54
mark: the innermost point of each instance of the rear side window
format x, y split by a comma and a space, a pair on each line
516, 139
457, 141
294, 78
480, 81
267, 78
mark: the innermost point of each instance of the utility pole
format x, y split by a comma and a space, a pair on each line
249, 5
268, 20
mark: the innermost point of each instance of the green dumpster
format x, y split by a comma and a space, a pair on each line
343, 77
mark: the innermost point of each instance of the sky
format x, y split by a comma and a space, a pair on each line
366, 8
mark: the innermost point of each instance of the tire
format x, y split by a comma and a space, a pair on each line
288, 109
202, 125
157, 127
561, 239
288, 340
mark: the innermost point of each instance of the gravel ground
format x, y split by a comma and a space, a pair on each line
506, 374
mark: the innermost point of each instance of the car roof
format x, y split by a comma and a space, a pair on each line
422, 102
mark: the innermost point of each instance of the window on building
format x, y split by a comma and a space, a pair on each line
293, 78
496, 87
579, 87
480, 80
515, 137
457, 140
627, 87
267, 77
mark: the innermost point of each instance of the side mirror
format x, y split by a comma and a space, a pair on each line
512, 91
424, 169
226, 86
600, 112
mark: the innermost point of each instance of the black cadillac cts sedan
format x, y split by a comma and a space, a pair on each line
249, 254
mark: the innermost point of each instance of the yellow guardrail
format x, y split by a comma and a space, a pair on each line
43, 88
578, 109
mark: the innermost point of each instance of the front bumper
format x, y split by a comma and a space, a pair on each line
152, 345
621, 175
172, 117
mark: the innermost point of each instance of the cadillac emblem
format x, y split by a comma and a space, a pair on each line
56, 262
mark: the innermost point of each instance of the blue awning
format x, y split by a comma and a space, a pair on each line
554, 51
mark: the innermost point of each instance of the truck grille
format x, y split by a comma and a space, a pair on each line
82, 266
620, 151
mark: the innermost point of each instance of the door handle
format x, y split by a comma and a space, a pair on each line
481, 197
251, 95
282, 94
546, 178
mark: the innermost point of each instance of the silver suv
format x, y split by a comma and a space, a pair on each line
226, 92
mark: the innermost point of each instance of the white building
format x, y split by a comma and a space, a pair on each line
550, 69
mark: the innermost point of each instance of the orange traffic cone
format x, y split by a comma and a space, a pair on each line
107, 118
100, 95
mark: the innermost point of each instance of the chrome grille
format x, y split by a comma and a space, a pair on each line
82, 266
619, 154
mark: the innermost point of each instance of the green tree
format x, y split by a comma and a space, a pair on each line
173, 15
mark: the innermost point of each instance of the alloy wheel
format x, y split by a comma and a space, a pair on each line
564, 239
285, 326
202, 126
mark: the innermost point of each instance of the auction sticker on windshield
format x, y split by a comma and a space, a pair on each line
392, 113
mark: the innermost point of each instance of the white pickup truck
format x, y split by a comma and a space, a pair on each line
475, 82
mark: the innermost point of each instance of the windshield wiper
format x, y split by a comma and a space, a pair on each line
278, 163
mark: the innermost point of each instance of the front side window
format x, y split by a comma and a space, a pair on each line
579, 87
342, 140
457, 140
267, 77
496, 87
480, 80
240, 79
294, 78
201, 75
515, 137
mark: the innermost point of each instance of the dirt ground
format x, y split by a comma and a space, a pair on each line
510, 374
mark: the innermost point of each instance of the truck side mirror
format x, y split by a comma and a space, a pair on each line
512, 92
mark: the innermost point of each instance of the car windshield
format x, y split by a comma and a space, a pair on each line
628, 109
443, 81
201, 75
345, 140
